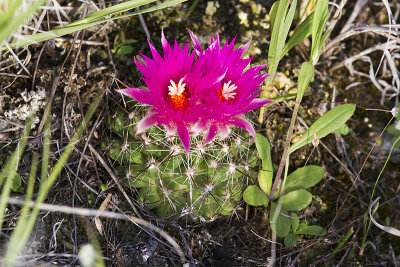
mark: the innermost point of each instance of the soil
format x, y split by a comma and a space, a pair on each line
81, 73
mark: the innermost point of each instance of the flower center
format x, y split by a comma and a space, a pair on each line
226, 92
177, 96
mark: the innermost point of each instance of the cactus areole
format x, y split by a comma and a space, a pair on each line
201, 96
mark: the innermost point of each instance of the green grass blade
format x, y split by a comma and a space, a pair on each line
321, 14
30, 188
67, 151
286, 27
17, 244
21, 225
67, 29
46, 148
339, 246
125, 6
279, 34
273, 12
9, 12
12, 24
10, 169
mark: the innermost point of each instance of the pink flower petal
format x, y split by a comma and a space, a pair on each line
255, 104
211, 133
165, 45
148, 121
242, 122
243, 49
154, 53
183, 134
223, 131
139, 95
196, 43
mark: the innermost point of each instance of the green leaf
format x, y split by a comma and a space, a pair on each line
296, 200
266, 174
302, 227
305, 76
124, 50
304, 178
320, 16
325, 125
291, 240
254, 196
122, 7
344, 130
321, 13
264, 149
312, 230
283, 21
273, 12
118, 44
265, 181
16, 182
294, 219
104, 187
282, 225
298, 36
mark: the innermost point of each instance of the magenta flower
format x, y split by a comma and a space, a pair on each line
235, 94
171, 91
191, 96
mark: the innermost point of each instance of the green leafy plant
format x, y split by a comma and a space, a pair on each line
295, 197
122, 46
317, 30
291, 195
281, 20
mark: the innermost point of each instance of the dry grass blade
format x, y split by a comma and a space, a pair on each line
387, 229
103, 207
104, 214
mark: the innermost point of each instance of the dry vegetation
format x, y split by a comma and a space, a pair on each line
359, 65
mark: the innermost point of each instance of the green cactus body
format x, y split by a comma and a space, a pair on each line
208, 182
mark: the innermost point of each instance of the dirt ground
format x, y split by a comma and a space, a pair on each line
73, 70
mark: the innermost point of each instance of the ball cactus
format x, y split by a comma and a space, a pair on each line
194, 161
207, 181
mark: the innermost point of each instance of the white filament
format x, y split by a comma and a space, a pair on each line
176, 89
228, 90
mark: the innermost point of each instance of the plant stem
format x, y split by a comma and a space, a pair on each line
285, 152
